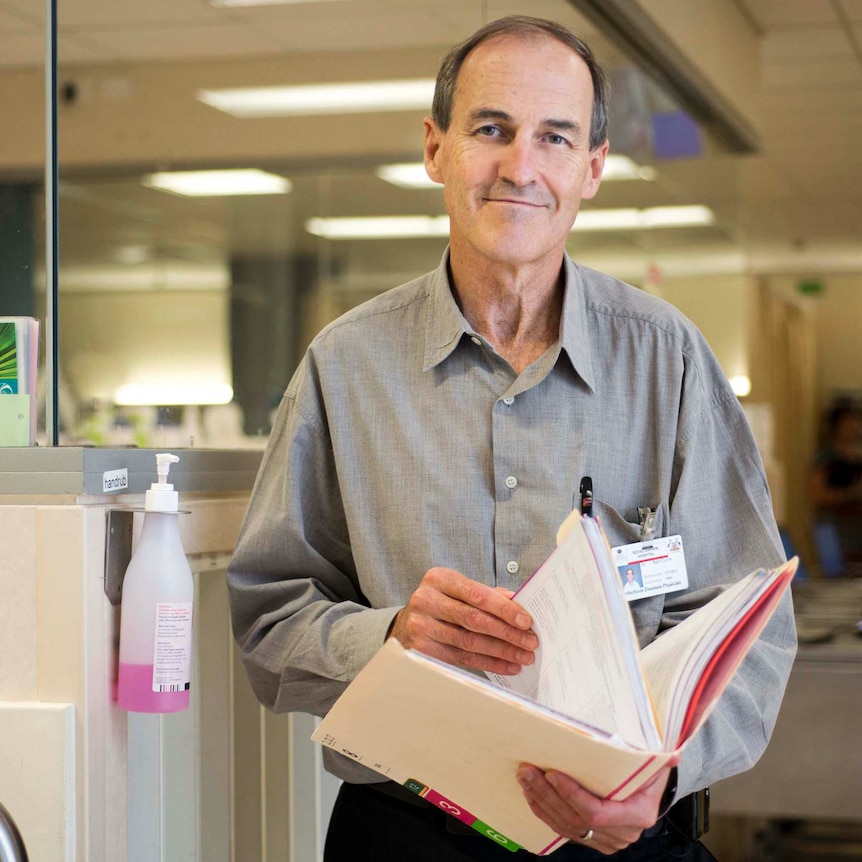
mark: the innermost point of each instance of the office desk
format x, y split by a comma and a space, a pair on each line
812, 768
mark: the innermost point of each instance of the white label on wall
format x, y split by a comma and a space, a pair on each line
115, 480
172, 652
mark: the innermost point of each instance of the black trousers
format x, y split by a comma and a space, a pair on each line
368, 825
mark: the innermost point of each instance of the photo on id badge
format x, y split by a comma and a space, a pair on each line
652, 567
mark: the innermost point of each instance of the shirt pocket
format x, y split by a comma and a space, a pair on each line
647, 612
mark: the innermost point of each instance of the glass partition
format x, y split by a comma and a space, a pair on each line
22, 234
184, 311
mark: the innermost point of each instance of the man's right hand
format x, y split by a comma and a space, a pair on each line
463, 622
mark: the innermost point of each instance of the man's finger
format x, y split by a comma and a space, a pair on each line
424, 632
539, 791
481, 596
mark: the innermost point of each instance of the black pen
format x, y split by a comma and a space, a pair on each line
587, 496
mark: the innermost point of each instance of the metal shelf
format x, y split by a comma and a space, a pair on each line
82, 470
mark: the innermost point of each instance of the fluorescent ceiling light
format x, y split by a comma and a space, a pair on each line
378, 227
402, 227
412, 175
407, 175
634, 219
678, 216
307, 99
142, 394
245, 181
623, 168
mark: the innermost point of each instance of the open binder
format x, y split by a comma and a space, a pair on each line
615, 716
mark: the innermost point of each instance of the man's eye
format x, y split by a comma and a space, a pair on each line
556, 139
488, 131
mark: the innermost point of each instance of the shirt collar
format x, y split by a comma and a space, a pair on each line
574, 335
445, 324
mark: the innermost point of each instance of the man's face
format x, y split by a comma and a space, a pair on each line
515, 160
630, 575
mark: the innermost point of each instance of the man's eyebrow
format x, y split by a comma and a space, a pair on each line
489, 114
495, 114
563, 125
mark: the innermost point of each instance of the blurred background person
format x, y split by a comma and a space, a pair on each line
836, 492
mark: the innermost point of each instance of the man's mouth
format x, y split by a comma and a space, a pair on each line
515, 201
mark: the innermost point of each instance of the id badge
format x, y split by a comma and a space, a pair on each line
651, 568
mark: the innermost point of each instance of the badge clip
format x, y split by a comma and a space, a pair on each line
647, 518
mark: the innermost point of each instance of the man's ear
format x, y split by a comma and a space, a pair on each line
594, 174
433, 140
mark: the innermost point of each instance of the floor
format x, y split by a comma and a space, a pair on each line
739, 840
815, 841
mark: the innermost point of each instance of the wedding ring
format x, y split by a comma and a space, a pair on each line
587, 836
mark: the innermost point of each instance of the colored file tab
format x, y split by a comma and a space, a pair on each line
460, 813
495, 836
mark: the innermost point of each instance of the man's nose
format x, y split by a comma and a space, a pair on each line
517, 162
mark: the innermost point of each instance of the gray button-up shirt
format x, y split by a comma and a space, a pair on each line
405, 442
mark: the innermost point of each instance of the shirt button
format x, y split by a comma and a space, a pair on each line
512, 567
475, 339
511, 482
508, 401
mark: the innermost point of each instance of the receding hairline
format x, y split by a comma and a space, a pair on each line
527, 29
534, 36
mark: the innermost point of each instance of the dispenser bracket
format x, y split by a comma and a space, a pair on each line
118, 551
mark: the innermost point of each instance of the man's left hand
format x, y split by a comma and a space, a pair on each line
573, 812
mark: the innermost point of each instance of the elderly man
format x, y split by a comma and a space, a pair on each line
433, 439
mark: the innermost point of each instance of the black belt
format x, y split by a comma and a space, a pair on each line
689, 815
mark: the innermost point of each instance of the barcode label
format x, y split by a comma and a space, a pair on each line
172, 651
185, 687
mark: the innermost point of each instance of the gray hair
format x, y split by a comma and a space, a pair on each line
525, 26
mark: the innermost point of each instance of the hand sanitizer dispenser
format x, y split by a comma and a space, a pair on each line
156, 610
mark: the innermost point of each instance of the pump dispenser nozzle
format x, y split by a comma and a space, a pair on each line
162, 497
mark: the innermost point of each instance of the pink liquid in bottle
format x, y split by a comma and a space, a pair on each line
134, 691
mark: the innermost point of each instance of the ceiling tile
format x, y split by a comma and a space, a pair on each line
780, 14
13, 21
21, 50
33, 9
180, 42
818, 74
393, 30
852, 9
810, 42
101, 13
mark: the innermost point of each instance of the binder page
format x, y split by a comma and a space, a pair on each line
675, 661
701, 695
623, 622
580, 666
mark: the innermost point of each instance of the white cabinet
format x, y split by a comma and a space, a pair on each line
224, 781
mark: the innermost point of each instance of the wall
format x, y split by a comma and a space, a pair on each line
838, 319
837, 313
111, 338
718, 306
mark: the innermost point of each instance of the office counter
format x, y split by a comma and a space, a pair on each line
85, 781
812, 768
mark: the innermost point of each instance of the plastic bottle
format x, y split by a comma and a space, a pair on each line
156, 611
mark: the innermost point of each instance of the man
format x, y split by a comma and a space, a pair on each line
432, 441
631, 586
